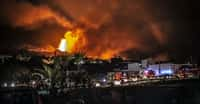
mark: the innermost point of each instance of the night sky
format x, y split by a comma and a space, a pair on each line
145, 26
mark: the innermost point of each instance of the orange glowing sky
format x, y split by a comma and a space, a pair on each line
98, 28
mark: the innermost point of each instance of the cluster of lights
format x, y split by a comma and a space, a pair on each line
162, 71
80, 62
96, 62
14, 85
11, 85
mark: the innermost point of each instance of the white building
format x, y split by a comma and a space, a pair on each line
134, 67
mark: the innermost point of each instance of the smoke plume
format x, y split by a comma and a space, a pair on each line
110, 27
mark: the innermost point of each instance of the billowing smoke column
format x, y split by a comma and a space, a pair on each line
99, 28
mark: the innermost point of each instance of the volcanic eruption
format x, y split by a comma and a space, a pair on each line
98, 28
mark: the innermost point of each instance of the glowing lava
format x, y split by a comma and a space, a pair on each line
69, 42
108, 54
63, 45
76, 41
71, 39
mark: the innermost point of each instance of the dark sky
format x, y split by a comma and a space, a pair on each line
146, 26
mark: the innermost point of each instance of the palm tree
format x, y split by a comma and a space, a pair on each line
53, 75
55, 70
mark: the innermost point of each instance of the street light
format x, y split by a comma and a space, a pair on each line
33, 82
125, 80
117, 82
97, 85
5, 85
104, 80
12, 84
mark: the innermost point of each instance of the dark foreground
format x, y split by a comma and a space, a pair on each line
174, 92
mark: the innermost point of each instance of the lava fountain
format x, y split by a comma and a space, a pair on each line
75, 41
62, 46
72, 42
